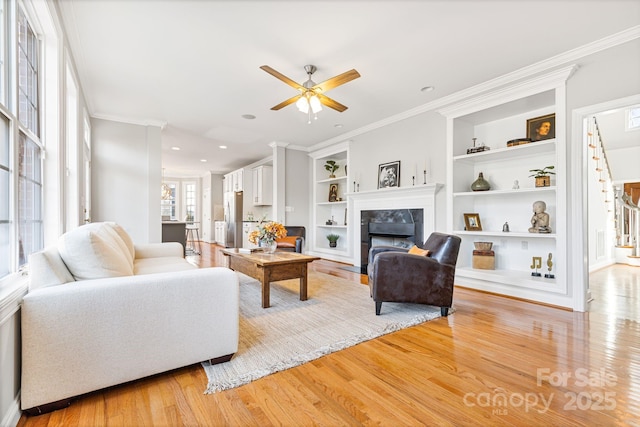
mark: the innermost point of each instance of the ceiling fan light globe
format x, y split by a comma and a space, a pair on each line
316, 106
303, 105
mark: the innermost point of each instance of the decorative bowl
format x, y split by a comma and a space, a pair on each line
483, 246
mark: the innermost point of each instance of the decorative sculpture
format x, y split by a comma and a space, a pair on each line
549, 267
536, 263
540, 219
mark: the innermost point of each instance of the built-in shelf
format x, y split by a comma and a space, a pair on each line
324, 210
493, 119
337, 178
506, 234
504, 192
514, 278
508, 153
341, 202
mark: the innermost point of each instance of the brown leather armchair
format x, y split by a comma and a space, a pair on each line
397, 276
294, 242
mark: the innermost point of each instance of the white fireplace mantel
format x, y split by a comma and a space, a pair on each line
414, 197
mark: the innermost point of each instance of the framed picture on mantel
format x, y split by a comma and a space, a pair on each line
389, 175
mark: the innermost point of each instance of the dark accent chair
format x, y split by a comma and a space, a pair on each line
294, 242
397, 276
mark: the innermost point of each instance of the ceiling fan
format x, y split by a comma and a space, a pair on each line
311, 96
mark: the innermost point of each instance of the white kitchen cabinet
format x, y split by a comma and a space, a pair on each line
220, 232
262, 178
233, 181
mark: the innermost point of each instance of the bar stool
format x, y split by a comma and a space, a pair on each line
193, 237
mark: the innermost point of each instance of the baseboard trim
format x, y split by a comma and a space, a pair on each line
12, 417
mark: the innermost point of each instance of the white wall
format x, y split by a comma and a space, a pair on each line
602, 77
414, 141
126, 175
600, 220
625, 162
297, 194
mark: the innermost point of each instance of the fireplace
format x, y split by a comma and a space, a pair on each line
401, 199
394, 227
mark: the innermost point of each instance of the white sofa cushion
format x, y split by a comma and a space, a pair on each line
46, 268
95, 251
126, 239
161, 265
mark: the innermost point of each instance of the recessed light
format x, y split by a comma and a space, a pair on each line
224, 147
427, 89
203, 160
248, 116
337, 125
175, 148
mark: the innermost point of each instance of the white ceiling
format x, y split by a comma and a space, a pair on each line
194, 64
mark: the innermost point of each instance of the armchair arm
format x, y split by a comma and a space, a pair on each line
375, 250
156, 250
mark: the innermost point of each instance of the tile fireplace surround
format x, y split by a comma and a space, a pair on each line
415, 197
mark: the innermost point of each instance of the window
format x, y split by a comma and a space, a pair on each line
28, 54
5, 197
168, 205
190, 201
633, 118
29, 199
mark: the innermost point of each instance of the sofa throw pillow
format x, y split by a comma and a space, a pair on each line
93, 252
125, 238
417, 251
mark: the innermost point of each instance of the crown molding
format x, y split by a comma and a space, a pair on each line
142, 122
573, 55
278, 144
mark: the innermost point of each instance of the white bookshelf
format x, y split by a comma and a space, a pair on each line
324, 210
494, 119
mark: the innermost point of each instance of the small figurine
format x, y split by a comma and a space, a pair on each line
540, 219
549, 267
505, 227
516, 185
536, 263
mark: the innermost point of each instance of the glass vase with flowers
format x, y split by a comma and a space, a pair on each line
266, 234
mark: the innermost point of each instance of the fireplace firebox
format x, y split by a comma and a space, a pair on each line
400, 227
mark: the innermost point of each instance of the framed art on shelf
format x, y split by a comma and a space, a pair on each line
389, 175
472, 222
333, 193
541, 128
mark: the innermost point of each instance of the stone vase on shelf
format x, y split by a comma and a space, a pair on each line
480, 184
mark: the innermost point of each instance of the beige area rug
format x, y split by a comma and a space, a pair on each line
337, 315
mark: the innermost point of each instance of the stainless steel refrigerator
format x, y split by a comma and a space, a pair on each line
233, 218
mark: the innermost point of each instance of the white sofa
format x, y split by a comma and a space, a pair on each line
102, 311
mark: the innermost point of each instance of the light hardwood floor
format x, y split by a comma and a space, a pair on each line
495, 361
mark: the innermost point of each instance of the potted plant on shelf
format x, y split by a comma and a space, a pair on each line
333, 240
543, 176
331, 167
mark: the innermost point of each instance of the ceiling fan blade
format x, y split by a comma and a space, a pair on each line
282, 77
287, 102
337, 80
325, 100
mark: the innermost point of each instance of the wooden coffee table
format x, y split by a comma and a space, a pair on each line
269, 268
